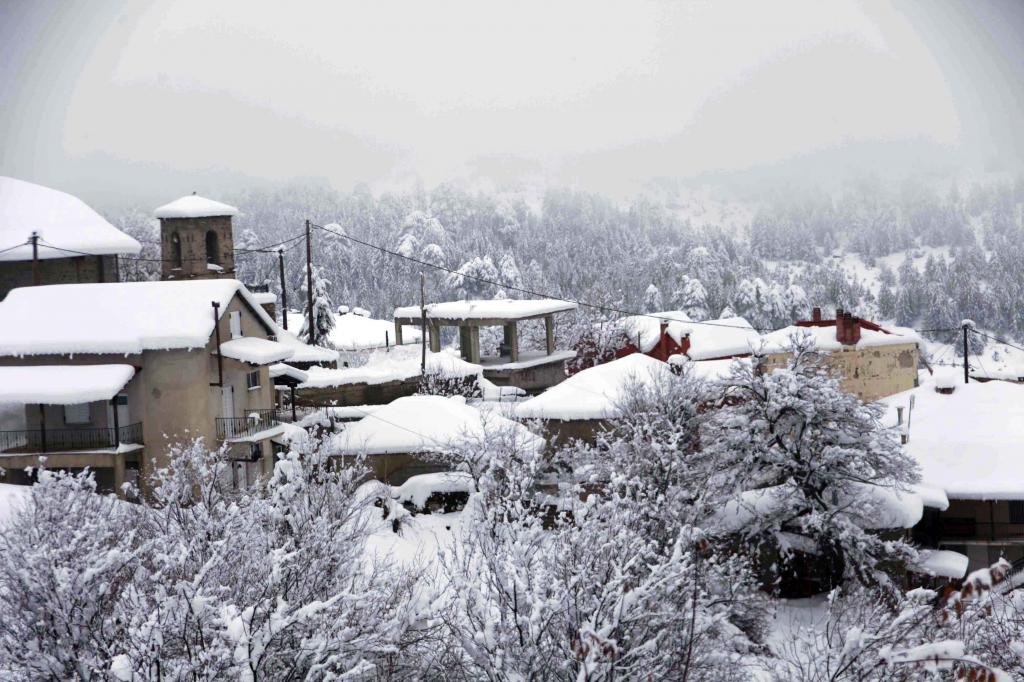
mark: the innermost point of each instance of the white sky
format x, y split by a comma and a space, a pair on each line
380, 92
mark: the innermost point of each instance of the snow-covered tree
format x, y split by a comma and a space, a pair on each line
691, 297
323, 310
652, 299
803, 466
474, 279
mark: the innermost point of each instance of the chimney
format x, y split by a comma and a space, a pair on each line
840, 330
853, 332
846, 323
816, 314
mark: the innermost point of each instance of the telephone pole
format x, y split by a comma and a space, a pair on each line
966, 375
284, 293
35, 258
309, 284
423, 326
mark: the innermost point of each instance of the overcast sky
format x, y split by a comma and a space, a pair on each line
145, 101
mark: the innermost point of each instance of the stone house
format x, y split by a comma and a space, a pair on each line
873, 362
196, 238
144, 365
73, 243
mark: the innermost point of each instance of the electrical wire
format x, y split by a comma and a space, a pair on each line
16, 246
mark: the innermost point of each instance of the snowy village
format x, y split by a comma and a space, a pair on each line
269, 424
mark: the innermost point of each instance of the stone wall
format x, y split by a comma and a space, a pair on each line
869, 373
76, 270
192, 235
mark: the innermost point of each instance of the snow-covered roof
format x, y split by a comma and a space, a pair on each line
942, 562
397, 364
967, 443
708, 370
418, 489
62, 384
255, 351
503, 309
192, 206
647, 328
721, 338
355, 332
264, 297
824, 338
115, 317
426, 423
596, 392
303, 352
280, 369
60, 219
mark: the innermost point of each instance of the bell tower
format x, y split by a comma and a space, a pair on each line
196, 239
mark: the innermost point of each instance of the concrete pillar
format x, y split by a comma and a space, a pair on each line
398, 333
119, 474
549, 333
512, 340
435, 336
474, 344
465, 344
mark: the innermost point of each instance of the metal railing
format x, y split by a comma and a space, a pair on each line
252, 423
968, 528
63, 440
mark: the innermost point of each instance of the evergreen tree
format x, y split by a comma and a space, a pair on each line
323, 310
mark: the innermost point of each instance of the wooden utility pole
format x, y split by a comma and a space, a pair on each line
284, 293
35, 258
966, 375
423, 327
309, 284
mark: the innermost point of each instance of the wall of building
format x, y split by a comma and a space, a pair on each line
192, 233
76, 270
984, 530
869, 373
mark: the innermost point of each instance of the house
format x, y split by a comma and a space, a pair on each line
73, 242
968, 444
873, 362
196, 238
590, 401
407, 436
531, 371
662, 335
109, 376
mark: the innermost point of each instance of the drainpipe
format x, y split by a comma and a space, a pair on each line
117, 425
216, 332
42, 426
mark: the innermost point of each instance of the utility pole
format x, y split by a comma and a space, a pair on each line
423, 325
284, 293
35, 258
309, 284
966, 376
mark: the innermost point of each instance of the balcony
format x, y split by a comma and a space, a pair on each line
255, 421
68, 440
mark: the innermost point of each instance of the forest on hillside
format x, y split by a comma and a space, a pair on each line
925, 258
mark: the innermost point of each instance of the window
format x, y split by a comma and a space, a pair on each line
176, 250
235, 320
255, 451
76, 414
212, 254
252, 379
1017, 511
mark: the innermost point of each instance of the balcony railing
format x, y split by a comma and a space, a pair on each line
967, 528
64, 440
249, 425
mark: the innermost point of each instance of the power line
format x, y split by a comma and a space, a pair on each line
997, 340
16, 246
244, 252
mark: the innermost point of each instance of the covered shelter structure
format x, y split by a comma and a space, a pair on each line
529, 370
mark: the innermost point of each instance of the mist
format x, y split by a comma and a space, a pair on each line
128, 103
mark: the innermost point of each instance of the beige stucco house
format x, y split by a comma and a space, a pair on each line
110, 376
873, 362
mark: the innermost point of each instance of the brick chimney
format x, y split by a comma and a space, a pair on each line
853, 331
850, 329
840, 329
816, 315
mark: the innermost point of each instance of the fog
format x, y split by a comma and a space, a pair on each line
132, 102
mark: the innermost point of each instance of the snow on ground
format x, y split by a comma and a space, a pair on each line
967, 443
421, 541
353, 332
12, 497
395, 364
59, 219
997, 361
596, 392
192, 206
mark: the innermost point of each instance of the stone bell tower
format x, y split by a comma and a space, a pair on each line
196, 239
